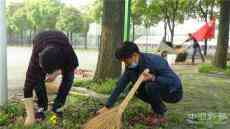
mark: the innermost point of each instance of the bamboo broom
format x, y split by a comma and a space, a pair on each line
53, 87
111, 119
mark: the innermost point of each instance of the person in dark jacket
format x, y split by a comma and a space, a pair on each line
52, 55
160, 85
196, 47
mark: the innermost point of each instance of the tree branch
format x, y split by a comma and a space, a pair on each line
202, 10
169, 22
175, 12
211, 10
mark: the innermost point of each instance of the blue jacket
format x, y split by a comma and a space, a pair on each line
158, 66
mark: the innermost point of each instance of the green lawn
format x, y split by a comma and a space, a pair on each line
202, 95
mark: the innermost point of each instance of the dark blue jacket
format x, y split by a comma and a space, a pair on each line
158, 66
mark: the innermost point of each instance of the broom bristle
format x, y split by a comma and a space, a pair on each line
112, 118
108, 120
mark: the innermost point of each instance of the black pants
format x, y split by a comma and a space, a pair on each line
59, 101
195, 49
154, 94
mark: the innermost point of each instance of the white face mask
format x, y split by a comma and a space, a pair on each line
133, 65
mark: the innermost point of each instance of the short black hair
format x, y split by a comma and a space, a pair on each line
127, 50
50, 59
49, 46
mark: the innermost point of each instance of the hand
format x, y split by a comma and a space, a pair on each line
102, 110
148, 77
53, 76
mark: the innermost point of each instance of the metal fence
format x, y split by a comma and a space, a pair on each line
78, 40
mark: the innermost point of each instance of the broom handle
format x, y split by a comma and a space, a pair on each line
132, 92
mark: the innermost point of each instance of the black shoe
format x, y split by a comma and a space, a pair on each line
58, 113
164, 108
40, 116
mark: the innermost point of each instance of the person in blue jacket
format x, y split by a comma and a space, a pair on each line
160, 85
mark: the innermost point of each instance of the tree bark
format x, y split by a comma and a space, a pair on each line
86, 40
171, 21
223, 35
171, 26
22, 38
205, 14
30, 37
147, 34
67, 34
206, 19
165, 10
71, 37
133, 32
172, 32
165, 30
111, 37
206, 41
175, 9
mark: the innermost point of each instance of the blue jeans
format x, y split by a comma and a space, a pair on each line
195, 49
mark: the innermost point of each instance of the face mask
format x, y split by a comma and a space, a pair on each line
133, 65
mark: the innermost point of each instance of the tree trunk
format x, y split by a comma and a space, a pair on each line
206, 41
133, 32
146, 38
30, 37
205, 47
172, 22
22, 38
223, 35
67, 34
71, 37
205, 16
171, 26
111, 37
172, 35
172, 32
206, 19
35, 30
165, 30
86, 40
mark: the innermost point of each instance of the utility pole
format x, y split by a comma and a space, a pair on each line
127, 19
3, 59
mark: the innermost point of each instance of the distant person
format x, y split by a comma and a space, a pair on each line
52, 55
196, 47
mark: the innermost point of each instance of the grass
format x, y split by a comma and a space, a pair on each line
202, 94
208, 68
103, 87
